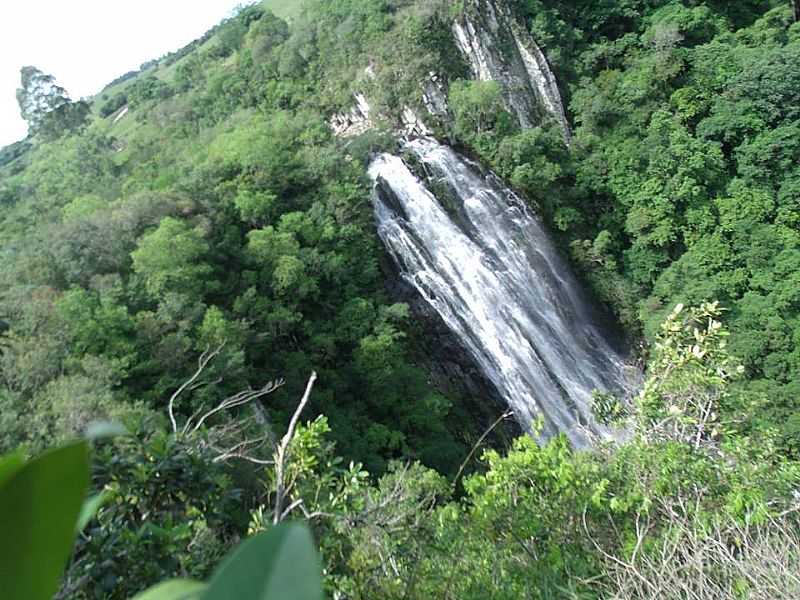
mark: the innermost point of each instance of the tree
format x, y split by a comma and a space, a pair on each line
38, 95
479, 114
4, 328
169, 259
46, 106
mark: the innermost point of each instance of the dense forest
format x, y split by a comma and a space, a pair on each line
191, 254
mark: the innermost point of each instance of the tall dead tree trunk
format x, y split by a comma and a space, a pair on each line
280, 513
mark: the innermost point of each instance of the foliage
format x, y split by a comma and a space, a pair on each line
221, 213
142, 90
556, 522
480, 118
168, 511
290, 571
690, 371
39, 502
115, 103
143, 232
167, 259
46, 106
680, 184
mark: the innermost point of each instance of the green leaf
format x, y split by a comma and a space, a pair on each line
9, 465
39, 506
174, 589
89, 509
281, 564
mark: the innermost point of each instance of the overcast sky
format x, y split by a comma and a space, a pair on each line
86, 44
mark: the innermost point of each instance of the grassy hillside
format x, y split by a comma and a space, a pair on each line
285, 9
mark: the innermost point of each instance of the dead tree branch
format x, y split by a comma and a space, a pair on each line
282, 449
506, 415
239, 399
220, 434
206, 357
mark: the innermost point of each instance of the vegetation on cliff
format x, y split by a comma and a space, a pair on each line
182, 256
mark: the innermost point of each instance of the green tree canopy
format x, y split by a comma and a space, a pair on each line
46, 106
169, 259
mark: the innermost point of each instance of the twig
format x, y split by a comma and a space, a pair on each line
501, 418
280, 453
202, 362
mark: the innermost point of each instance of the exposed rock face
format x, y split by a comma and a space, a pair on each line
498, 48
123, 111
354, 122
359, 120
539, 71
434, 96
412, 124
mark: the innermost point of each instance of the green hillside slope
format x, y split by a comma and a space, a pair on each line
204, 239
285, 9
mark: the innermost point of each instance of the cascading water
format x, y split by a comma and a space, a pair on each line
486, 265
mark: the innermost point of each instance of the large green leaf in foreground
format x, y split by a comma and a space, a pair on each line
281, 564
175, 589
9, 465
39, 506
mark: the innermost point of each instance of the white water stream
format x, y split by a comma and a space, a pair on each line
489, 269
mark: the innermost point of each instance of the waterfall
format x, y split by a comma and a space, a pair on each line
486, 265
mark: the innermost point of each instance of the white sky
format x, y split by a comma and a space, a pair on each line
86, 44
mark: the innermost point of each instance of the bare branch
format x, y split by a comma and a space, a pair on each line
506, 415
239, 399
313, 515
242, 451
716, 561
290, 508
280, 453
206, 357
219, 436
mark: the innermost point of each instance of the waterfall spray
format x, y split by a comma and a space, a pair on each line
486, 265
